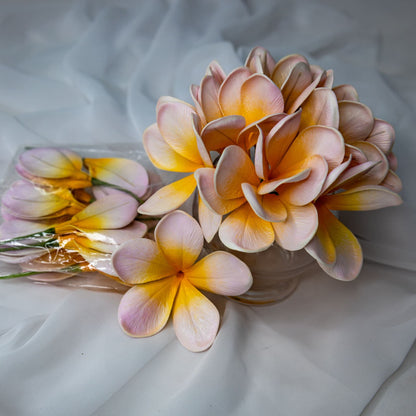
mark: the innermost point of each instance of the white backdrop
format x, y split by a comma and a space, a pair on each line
91, 72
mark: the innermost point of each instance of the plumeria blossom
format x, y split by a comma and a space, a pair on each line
293, 74
231, 107
227, 110
334, 246
371, 136
25, 201
61, 213
271, 200
63, 169
166, 276
173, 144
283, 141
311, 88
53, 167
94, 233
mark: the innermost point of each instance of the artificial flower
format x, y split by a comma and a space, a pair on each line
25, 201
166, 277
293, 74
172, 144
334, 246
54, 167
270, 200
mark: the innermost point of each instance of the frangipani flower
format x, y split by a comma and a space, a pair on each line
111, 212
232, 106
53, 231
293, 74
166, 280
271, 200
25, 201
334, 246
173, 144
178, 143
61, 168
373, 137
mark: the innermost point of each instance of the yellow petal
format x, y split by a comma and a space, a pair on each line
349, 257
209, 98
110, 212
345, 93
170, 197
259, 60
180, 239
210, 197
140, 261
299, 79
195, 318
145, 309
392, 181
222, 273
125, 173
284, 67
298, 229
321, 108
303, 192
162, 155
362, 198
234, 168
230, 90
269, 207
244, 231
315, 140
321, 246
209, 220
175, 122
260, 97
281, 137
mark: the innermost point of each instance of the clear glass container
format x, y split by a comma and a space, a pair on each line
276, 272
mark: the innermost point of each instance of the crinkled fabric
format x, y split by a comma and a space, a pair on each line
90, 72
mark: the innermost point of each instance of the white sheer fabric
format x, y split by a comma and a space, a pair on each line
91, 72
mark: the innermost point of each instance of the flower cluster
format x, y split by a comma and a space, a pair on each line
61, 219
275, 150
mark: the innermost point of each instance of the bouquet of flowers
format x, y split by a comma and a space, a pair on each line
277, 150
274, 151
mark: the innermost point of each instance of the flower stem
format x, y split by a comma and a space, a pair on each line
51, 243
75, 268
98, 182
44, 233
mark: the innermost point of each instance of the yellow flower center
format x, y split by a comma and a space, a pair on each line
180, 275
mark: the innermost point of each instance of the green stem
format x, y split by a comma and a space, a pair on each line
15, 275
70, 269
51, 243
98, 182
44, 233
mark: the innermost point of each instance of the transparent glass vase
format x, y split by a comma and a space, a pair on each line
276, 272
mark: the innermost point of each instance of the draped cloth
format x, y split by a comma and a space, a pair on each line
90, 72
